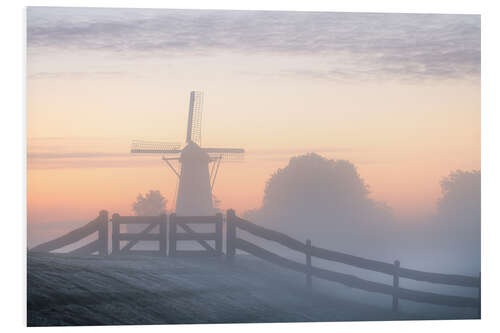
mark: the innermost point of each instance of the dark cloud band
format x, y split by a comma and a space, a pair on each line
418, 45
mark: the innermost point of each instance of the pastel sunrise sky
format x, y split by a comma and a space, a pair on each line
398, 95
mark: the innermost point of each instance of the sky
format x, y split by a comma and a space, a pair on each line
398, 95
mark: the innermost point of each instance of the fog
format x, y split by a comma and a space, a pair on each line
328, 202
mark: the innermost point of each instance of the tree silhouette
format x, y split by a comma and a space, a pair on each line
459, 208
152, 204
461, 198
457, 223
312, 181
320, 198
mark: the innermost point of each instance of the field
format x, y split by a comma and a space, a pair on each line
138, 290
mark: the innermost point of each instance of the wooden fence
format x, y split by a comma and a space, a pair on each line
150, 222
191, 235
233, 243
100, 245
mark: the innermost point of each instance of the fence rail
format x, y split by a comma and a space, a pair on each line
99, 225
234, 243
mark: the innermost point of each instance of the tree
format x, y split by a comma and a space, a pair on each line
152, 204
312, 181
320, 198
457, 223
461, 197
459, 208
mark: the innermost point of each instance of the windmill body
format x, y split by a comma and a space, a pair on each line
198, 166
194, 196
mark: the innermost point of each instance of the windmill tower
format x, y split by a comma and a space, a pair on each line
198, 166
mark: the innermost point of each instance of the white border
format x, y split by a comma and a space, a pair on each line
13, 185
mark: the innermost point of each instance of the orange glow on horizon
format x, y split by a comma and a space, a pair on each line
403, 138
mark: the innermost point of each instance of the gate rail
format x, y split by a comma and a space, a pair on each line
144, 235
190, 235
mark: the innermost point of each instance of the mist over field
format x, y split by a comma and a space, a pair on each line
328, 202
312, 197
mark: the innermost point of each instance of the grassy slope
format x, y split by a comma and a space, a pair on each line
70, 290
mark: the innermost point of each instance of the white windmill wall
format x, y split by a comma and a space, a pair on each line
195, 195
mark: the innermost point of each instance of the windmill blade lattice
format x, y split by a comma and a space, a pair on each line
226, 154
227, 157
194, 117
154, 147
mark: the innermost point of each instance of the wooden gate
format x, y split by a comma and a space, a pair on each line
145, 235
190, 235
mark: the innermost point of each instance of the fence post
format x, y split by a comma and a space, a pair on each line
172, 229
230, 235
103, 233
163, 235
395, 284
218, 233
115, 237
308, 263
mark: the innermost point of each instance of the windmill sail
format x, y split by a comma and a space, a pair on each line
224, 150
194, 117
226, 154
154, 147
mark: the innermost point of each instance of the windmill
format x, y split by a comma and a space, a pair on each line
198, 166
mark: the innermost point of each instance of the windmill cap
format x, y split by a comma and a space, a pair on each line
193, 152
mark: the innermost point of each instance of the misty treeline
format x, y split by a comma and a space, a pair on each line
328, 202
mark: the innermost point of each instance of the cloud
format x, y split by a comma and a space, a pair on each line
80, 152
80, 75
75, 155
101, 152
94, 163
350, 44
